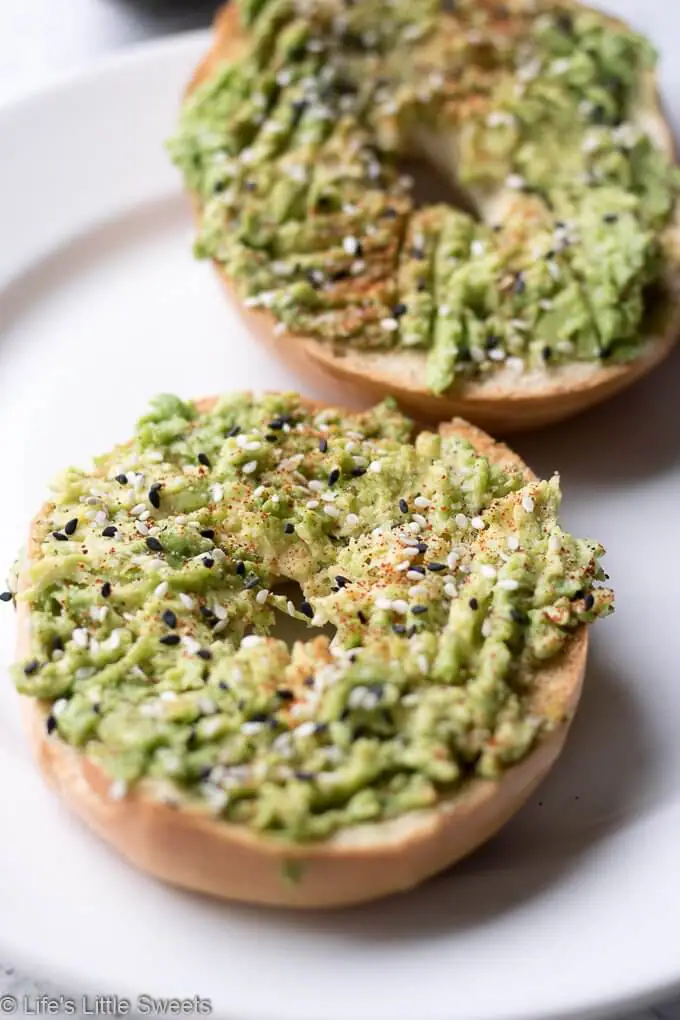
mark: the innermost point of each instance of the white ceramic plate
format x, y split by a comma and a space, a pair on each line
574, 909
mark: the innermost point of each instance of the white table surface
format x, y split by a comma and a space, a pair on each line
40, 39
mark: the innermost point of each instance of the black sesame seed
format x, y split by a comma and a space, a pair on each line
492, 341
565, 23
207, 613
421, 547
289, 528
362, 617
276, 424
241, 568
577, 595
518, 616
207, 533
106, 589
611, 218
399, 310
334, 476
59, 536
323, 445
436, 567
473, 604
153, 544
208, 562
154, 498
170, 639
589, 601
357, 472
417, 610
204, 773
70, 526
97, 709
204, 653
306, 609
272, 437
417, 568
398, 628
546, 353
341, 581
223, 686
389, 213
109, 531
519, 286
204, 459
309, 681
285, 694
259, 717
57, 644
50, 724
233, 431
121, 479
169, 618
403, 506
250, 185
421, 286
251, 583
5, 596
31, 667
305, 777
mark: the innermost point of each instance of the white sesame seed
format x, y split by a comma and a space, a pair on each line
554, 543
508, 584
515, 181
138, 509
450, 590
414, 575
452, 560
252, 445
251, 640
528, 503
290, 606
419, 519
512, 542
219, 611
421, 502
168, 696
477, 248
351, 520
258, 491
486, 570
262, 597
478, 523
331, 511
113, 641
315, 485
118, 789
400, 606
207, 706
161, 589
250, 467
417, 591
101, 517
375, 466
191, 644
85, 672
305, 729
486, 628
216, 493
58, 707
186, 600
313, 504
383, 603
461, 520
81, 637
390, 325
142, 528
403, 566
350, 245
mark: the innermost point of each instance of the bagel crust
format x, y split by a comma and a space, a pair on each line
508, 393
184, 842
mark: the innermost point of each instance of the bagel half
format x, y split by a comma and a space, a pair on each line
188, 847
502, 401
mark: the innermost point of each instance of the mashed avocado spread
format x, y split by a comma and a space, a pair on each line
157, 576
292, 151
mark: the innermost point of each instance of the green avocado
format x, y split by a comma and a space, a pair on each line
294, 152
160, 575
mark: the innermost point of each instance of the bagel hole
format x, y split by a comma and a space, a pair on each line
432, 185
290, 630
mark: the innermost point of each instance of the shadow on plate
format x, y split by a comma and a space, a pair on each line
632, 436
603, 780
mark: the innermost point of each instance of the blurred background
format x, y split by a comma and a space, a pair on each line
43, 38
